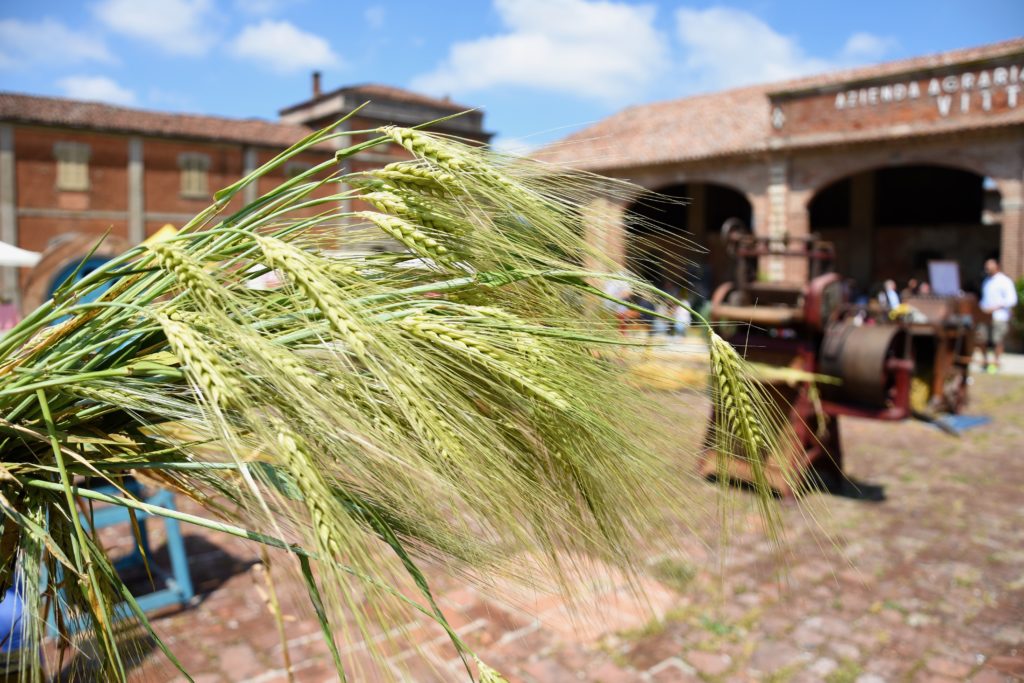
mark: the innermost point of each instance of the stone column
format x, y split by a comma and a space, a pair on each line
773, 268
8, 209
249, 161
605, 230
1011, 247
136, 196
344, 205
862, 227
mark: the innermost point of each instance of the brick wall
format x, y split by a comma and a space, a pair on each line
36, 168
163, 174
966, 94
997, 154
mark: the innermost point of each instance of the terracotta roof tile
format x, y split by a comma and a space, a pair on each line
53, 111
737, 121
914, 64
376, 91
381, 92
718, 124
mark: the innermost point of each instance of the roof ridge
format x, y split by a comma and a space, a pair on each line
730, 121
141, 110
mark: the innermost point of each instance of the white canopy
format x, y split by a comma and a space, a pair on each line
11, 255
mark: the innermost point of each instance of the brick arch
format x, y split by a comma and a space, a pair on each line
67, 252
695, 259
916, 222
856, 167
660, 187
726, 180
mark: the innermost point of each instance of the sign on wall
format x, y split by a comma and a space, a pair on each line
957, 91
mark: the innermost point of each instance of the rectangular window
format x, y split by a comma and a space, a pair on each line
194, 172
72, 166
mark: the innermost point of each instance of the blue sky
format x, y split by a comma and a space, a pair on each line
539, 68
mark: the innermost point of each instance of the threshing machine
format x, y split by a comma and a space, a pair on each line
851, 359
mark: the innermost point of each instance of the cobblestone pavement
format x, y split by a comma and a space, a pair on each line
926, 585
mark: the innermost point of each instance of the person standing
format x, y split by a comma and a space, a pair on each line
682, 318
889, 297
998, 297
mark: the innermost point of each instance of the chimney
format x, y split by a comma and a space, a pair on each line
316, 84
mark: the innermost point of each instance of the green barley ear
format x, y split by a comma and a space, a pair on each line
401, 203
192, 277
749, 427
408, 234
487, 674
305, 273
206, 365
429, 147
418, 179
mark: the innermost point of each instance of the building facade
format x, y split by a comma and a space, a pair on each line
72, 171
898, 164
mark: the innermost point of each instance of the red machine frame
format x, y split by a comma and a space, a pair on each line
893, 365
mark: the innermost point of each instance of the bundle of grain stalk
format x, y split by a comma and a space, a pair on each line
432, 381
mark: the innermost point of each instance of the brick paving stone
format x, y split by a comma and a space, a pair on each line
809, 635
990, 676
948, 667
822, 667
240, 661
925, 584
608, 672
421, 669
709, 663
1012, 665
672, 670
771, 656
648, 652
887, 667
547, 670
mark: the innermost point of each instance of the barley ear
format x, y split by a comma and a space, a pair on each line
487, 674
190, 274
410, 235
746, 427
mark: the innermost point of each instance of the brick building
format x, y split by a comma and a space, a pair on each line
70, 168
898, 164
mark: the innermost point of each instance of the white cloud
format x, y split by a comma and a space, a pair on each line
516, 146
867, 47
96, 89
602, 50
27, 43
179, 27
281, 46
723, 47
375, 16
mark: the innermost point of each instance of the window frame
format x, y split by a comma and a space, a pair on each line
193, 166
72, 166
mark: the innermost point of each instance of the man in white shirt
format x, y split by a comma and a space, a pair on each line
889, 297
998, 297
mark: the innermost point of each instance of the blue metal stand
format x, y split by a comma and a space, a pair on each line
177, 584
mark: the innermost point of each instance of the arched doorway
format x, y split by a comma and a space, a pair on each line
890, 222
673, 236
